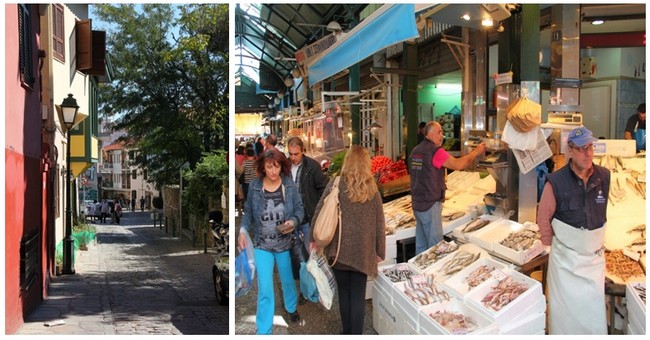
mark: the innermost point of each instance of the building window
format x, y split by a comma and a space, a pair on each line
58, 33
25, 45
134, 174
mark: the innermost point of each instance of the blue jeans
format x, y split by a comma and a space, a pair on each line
264, 263
428, 227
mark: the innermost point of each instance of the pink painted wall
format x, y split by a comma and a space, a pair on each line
24, 208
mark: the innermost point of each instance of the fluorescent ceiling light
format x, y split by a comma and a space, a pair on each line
598, 22
487, 22
466, 17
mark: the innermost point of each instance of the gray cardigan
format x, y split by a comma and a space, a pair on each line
363, 237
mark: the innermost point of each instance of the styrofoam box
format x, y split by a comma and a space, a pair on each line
405, 304
411, 324
457, 285
388, 319
630, 329
520, 307
493, 233
450, 226
436, 268
636, 323
523, 256
532, 324
635, 306
430, 326
391, 239
386, 283
460, 235
419, 270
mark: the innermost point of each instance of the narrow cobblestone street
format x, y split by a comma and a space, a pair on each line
136, 279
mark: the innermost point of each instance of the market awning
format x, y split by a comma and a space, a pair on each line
389, 25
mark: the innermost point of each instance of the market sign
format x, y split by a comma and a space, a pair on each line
309, 53
503, 78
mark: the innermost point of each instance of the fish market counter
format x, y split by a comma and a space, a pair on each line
456, 289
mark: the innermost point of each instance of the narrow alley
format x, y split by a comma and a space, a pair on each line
135, 279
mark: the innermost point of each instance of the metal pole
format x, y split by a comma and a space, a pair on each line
68, 241
180, 205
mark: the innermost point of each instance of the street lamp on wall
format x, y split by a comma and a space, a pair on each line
69, 109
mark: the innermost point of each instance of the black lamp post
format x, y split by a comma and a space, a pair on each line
69, 108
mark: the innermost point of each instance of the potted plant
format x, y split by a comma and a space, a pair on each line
58, 262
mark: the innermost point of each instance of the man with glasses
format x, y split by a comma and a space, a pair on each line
571, 217
635, 128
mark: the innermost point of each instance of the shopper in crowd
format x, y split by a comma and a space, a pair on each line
105, 210
240, 154
421, 132
258, 147
250, 171
273, 203
572, 214
363, 238
309, 178
270, 142
111, 207
635, 127
426, 164
97, 210
118, 212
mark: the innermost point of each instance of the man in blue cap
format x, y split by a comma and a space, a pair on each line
572, 215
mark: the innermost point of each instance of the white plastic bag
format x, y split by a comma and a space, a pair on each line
324, 277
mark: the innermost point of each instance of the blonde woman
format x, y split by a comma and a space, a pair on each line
363, 241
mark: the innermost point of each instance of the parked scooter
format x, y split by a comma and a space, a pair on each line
220, 268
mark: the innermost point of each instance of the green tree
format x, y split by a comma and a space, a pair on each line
205, 184
170, 87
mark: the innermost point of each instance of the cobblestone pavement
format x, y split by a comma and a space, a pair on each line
136, 279
315, 319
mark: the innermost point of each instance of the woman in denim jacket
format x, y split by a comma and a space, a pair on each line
272, 210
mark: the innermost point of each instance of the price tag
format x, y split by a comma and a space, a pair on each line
631, 254
499, 275
403, 266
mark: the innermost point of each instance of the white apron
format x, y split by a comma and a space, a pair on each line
576, 281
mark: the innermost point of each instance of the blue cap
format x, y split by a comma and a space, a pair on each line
581, 136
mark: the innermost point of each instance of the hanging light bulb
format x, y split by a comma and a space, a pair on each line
288, 81
277, 101
280, 94
295, 72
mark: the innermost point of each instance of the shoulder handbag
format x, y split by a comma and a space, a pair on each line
329, 219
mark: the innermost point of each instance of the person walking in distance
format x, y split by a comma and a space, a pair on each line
363, 236
426, 164
142, 203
